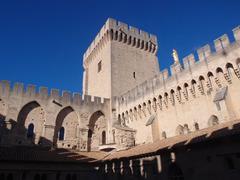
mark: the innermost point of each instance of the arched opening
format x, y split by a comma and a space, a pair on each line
186, 90
213, 120
66, 128
230, 70
210, 79
172, 96
193, 83
61, 134
220, 76
179, 130
164, 135
175, 172
103, 137
166, 98
186, 130
196, 126
179, 94
97, 124
30, 131
201, 82
30, 121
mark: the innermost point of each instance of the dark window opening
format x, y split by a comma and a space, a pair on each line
99, 66
103, 138
134, 75
61, 134
30, 131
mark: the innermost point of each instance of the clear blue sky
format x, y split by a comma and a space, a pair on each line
42, 42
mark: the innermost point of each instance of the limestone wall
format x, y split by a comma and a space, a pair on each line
21, 106
184, 101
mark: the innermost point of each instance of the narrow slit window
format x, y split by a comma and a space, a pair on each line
99, 66
134, 75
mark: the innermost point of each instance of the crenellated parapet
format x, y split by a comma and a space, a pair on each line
18, 90
213, 69
114, 30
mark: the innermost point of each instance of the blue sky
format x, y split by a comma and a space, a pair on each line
42, 42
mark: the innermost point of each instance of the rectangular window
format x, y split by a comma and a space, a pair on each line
99, 66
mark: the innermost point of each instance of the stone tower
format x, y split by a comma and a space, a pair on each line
120, 58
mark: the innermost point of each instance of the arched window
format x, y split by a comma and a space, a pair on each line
30, 131
166, 98
172, 96
193, 83
210, 78
179, 130
196, 126
230, 69
186, 90
179, 93
61, 134
175, 172
201, 82
186, 130
103, 137
164, 135
213, 120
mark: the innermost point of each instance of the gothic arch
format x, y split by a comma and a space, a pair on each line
31, 117
97, 124
68, 120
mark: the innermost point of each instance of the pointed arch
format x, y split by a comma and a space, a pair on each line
66, 126
97, 125
26, 109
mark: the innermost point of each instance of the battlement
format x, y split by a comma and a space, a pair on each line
118, 31
190, 69
30, 91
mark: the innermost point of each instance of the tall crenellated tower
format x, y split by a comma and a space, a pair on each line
120, 58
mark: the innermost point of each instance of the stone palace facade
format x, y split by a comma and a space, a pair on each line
127, 102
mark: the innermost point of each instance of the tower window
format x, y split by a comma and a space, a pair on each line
134, 75
99, 66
